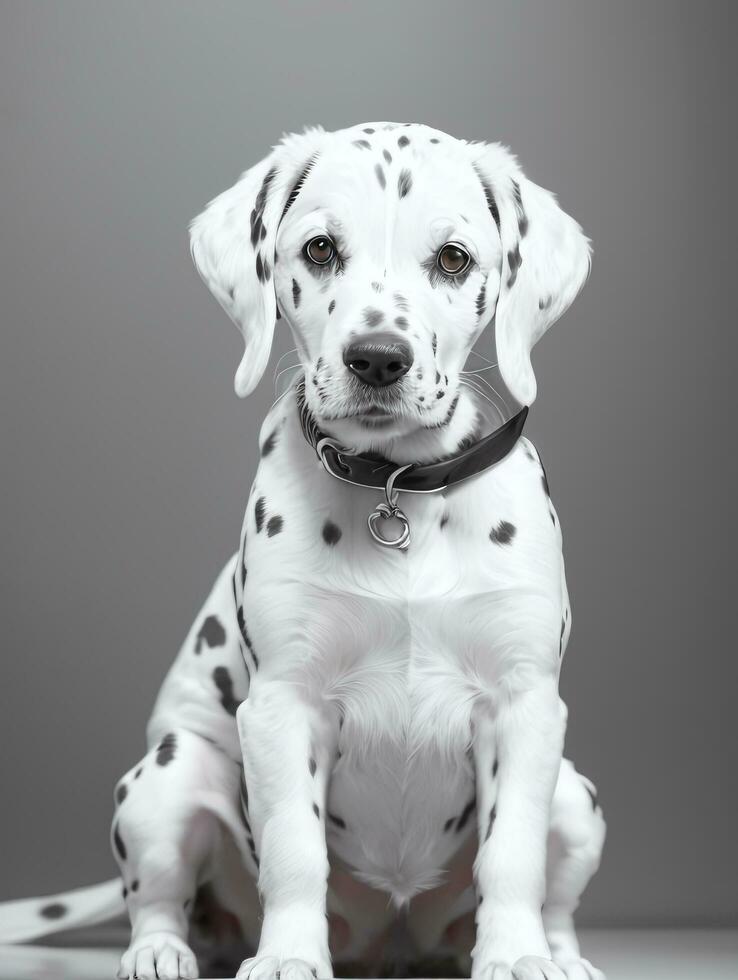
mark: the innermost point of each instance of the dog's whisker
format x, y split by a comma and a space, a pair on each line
469, 383
288, 386
292, 350
483, 395
490, 367
481, 357
483, 381
290, 367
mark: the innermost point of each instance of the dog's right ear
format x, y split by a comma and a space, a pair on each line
233, 243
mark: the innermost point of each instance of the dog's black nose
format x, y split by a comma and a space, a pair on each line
379, 360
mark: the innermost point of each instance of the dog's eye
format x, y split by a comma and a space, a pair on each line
320, 250
452, 259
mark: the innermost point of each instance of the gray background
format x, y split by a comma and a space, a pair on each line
126, 457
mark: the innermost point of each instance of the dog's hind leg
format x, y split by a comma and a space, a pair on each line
166, 834
575, 844
169, 833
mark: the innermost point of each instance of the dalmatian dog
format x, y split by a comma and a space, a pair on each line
364, 721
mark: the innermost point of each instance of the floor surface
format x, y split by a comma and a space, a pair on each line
622, 954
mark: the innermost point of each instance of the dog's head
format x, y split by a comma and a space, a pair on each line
388, 249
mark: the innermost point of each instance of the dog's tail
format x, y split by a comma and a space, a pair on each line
31, 918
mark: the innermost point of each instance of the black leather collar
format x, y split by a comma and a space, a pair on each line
374, 472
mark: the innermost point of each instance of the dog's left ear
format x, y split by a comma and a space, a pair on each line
233, 247
545, 263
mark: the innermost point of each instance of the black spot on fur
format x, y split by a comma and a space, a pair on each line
166, 749
480, 299
380, 176
449, 824
269, 443
544, 482
372, 317
337, 821
434, 139
119, 845
263, 272
495, 767
561, 638
224, 682
211, 633
138, 772
258, 230
54, 910
259, 513
465, 814
514, 260
377, 287
362, 144
134, 885
296, 292
543, 304
490, 198
401, 302
274, 525
331, 306
121, 793
404, 183
401, 322
312, 766
520, 210
367, 129
440, 394
402, 142
316, 810
387, 156
434, 344
503, 533
331, 533
124, 893
444, 520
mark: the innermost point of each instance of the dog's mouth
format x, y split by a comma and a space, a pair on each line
374, 416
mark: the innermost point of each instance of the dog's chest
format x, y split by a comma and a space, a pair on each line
393, 641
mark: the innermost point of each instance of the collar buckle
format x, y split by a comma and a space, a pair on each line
324, 443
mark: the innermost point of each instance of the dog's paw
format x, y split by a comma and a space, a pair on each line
536, 968
272, 968
158, 956
526, 968
580, 969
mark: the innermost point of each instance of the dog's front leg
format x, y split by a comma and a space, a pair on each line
517, 758
288, 746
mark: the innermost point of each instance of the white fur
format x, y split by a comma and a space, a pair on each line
386, 690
